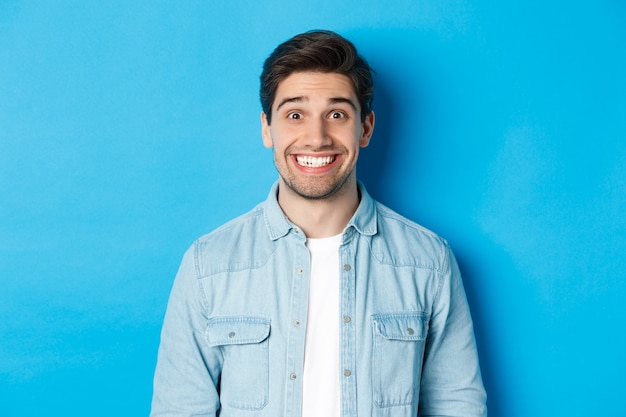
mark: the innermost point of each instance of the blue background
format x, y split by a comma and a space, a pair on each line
130, 128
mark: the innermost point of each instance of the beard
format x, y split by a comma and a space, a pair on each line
314, 188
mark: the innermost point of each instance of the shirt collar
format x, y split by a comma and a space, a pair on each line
363, 220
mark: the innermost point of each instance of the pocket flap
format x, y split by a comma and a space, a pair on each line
237, 330
402, 326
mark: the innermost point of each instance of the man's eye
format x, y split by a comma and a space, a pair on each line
337, 115
294, 116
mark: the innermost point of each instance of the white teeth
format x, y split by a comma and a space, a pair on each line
313, 161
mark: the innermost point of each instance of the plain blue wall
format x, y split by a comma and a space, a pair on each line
130, 128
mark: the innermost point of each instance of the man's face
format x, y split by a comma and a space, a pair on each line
316, 133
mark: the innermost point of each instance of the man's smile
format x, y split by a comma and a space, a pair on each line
314, 161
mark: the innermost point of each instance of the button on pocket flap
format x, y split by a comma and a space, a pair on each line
402, 326
237, 330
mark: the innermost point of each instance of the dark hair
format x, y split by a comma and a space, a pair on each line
320, 51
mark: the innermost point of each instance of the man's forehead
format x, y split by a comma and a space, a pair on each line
303, 86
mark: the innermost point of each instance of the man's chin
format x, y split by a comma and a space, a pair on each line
315, 193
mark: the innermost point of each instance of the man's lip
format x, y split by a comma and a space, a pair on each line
315, 161
315, 154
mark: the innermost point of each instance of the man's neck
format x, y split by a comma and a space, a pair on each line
320, 218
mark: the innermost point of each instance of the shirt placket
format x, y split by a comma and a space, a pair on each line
348, 328
298, 314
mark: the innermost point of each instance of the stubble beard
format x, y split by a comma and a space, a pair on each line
311, 189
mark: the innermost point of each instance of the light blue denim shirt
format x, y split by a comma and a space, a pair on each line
232, 342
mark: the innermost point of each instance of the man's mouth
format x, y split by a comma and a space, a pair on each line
314, 161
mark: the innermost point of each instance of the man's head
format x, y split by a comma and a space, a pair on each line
317, 92
317, 51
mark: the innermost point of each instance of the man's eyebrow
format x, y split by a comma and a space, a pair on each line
337, 100
300, 99
286, 100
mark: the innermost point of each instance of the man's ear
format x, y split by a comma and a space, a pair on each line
265, 131
368, 130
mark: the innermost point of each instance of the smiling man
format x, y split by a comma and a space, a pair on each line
320, 301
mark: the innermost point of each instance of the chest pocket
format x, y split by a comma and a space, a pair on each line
244, 342
397, 357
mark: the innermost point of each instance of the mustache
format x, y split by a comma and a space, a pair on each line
315, 149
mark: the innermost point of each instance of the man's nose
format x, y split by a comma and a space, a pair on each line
317, 133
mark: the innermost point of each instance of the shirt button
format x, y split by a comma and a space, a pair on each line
300, 271
410, 331
346, 267
292, 376
296, 323
231, 334
347, 372
346, 319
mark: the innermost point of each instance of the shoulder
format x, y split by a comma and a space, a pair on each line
241, 243
228, 230
404, 242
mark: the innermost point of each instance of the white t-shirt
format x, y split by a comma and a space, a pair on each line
321, 392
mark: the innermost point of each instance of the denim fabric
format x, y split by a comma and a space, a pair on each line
232, 342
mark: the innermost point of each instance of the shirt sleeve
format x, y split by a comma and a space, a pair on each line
187, 370
451, 382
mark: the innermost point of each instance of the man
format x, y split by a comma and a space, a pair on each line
320, 301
